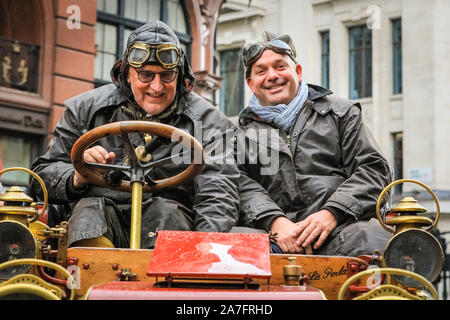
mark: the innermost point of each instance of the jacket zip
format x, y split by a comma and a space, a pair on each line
287, 137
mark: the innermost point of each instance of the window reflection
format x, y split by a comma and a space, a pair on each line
14, 152
116, 19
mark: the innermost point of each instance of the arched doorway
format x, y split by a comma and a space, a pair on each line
26, 46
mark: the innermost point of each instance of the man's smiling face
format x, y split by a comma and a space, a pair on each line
155, 96
274, 78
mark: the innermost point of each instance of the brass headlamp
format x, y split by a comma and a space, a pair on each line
412, 248
412, 259
17, 213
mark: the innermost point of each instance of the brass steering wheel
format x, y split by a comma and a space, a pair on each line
137, 169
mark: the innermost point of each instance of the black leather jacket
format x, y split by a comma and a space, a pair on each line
212, 197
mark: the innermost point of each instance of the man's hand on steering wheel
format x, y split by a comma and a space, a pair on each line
90, 163
96, 154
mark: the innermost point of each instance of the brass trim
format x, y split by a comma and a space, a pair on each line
408, 222
27, 288
37, 262
408, 204
33, 280
292, 272
136, 215
142, 155
387, 292
380, 197
18, 210
15, 193
44, 189
387, 271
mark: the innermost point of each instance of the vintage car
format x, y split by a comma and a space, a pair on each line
36, 263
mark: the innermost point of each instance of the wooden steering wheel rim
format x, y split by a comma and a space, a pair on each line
117, 128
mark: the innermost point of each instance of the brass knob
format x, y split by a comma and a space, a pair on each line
17, 205
15, 194
292, 272
409, 204
147, 138
142, 155
408, 208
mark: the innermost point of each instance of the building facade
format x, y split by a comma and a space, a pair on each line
52, 50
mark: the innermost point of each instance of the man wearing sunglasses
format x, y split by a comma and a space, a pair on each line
152, 82
329, 172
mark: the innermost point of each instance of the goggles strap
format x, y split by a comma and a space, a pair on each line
270, 45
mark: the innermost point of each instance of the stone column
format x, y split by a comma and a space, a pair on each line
207, 81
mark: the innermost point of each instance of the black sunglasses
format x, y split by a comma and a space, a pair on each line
147, 76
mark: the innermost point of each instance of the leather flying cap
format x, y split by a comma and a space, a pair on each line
279, 43
153, 33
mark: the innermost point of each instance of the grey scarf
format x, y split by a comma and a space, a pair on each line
282, 115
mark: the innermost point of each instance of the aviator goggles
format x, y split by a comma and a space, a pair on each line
167, 54
253, 51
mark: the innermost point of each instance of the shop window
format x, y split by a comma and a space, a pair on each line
116, 19
360, 62
232, 91
18, 150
